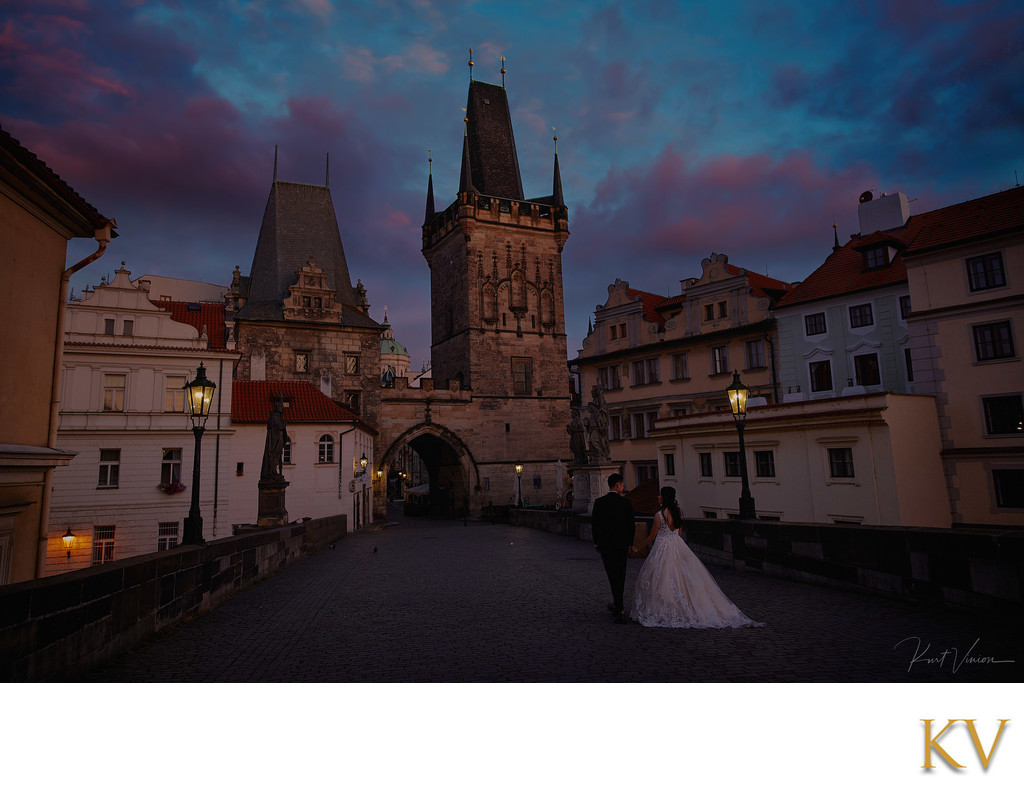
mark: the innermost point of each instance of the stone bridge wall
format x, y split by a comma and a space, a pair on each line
57, 628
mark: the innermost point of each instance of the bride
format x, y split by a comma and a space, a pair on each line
674, 589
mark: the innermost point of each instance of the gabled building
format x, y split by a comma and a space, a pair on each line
843, 330
658, 357
40, 215
126, 360
321, 458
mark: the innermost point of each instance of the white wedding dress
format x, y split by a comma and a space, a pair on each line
675, 590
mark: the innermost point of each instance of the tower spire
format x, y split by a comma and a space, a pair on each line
466, 178
835, 235
503, 72
556, 190
428, 216
471, 64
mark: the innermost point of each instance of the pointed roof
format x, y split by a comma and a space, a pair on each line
556, 193
429, 214
299, 223
490, 147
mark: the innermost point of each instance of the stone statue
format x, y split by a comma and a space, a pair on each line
274, 446
577, 438
598, 423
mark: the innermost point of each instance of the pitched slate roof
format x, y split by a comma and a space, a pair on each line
199, 316
845, 270
490, 144
299, 223
251, 402
22, 170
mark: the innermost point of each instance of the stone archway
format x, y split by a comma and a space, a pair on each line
451, 470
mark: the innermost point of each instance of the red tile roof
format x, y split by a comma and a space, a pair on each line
198, 315
844, 271
251, 403
650, 302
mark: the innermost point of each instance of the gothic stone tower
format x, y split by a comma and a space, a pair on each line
497, 313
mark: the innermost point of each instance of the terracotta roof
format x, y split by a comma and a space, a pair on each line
650, 302
199, 315
761, 285
251, 403
845, 272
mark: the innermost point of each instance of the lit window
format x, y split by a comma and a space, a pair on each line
821, 376
174, 394
166, 535
866, 368
986, 272
1004, 415
764, 463
325, 453
840, 462
814, 323
860, 316
994, 341
170, 467
113, 392
102, 544
110, 468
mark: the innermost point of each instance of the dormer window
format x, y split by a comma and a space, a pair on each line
877, 257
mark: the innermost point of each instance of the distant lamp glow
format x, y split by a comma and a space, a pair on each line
737, 392
738, 396
69, 540
200, 396
363, 461
519, 484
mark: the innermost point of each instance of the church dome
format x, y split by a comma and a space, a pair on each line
389, 346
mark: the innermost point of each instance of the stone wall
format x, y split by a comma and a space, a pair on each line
978, 571
60, 627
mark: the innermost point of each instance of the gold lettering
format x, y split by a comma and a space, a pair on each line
977, 741
930, 742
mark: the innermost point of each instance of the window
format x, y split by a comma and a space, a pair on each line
352, 400
615, 427
764, 463
325, 452
993, 341
710, 514
102, 544
1004, 415
719, 359
679, 367
302, 362
643, 422
351, 364
166, 535
910, 364
755, 353
723, 308
613, 332
821, 376
670, 465
108, 327
645, 371
609, 377
128, 328
110, 468
709, 311
705, 464
904, 306
170, 467
522, 376
679, 410
645, 471
986, 272
653, 370
113, 392
1009, 485
814, 323
841, 462
174, 394
732, 464
286, 451
877, 257
866, 368
617, 331
860, 316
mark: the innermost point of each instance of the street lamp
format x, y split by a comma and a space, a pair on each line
69, 540
738, 401
519, 483
363, 461
199, 393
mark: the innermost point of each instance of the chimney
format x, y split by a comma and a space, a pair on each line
884, 213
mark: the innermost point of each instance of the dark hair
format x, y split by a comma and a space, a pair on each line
615, 479
668, 502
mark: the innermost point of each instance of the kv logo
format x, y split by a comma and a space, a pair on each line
932, 742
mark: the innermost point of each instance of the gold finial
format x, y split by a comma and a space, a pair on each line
555, 138
470, 64
502, 71
430, 160
465, 121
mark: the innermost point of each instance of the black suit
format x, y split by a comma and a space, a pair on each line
613, 528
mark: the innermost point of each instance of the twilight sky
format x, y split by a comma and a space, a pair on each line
684, 128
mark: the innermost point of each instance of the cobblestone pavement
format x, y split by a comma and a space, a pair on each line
423, 601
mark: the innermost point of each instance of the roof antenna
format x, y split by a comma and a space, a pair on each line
470, 64
275, 162
327, 178
503, 72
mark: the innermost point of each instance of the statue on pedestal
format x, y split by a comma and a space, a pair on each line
274, 446
598, 427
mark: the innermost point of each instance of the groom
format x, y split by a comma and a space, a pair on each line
612, 525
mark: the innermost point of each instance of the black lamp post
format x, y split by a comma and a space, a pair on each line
519, 484
738, 401
199, 393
